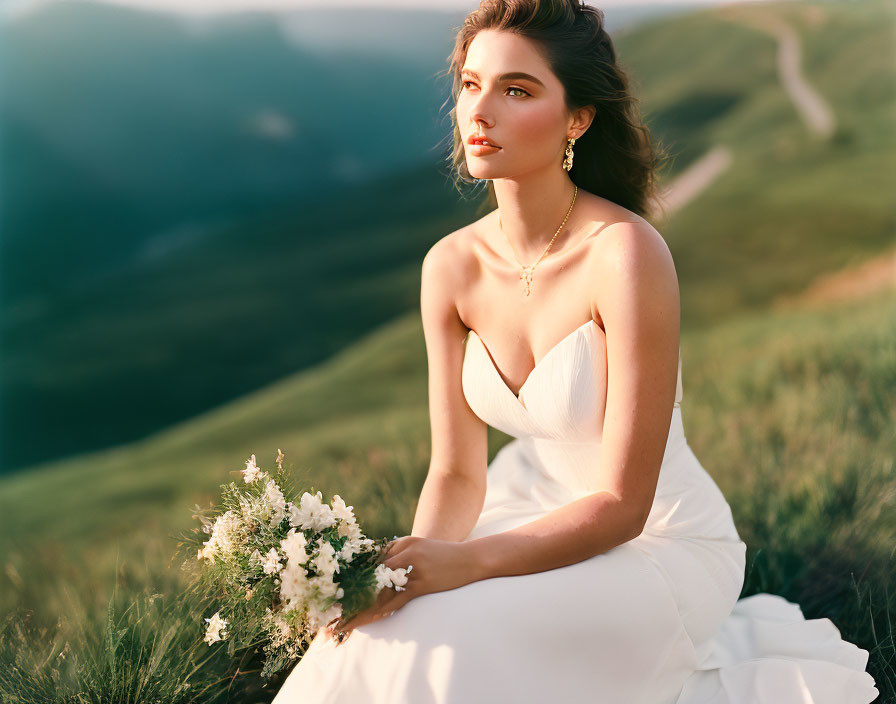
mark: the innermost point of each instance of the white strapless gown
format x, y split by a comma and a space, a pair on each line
655, 620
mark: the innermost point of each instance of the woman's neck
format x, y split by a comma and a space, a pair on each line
531, 208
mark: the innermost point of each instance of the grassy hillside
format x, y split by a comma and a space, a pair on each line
791, 206
148, 159
165, 338
316, 275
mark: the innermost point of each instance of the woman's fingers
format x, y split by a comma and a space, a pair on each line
389, 606
386, 552
327, 633
396, 546
388, 600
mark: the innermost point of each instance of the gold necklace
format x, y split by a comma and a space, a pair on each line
527, 273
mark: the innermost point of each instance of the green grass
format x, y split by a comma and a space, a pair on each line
793, 415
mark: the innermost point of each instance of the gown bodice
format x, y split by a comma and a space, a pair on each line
557, 420
563, 397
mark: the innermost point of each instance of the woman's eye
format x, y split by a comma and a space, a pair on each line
464, 84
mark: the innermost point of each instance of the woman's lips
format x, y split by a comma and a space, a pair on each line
482, 149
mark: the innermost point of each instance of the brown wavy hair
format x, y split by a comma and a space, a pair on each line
615, 157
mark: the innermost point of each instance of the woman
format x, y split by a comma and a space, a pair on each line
594, 560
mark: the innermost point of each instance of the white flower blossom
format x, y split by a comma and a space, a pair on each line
293, 546
251, 472
388, 577
223, 539
350, 529
312, 513
324, 585
341, 511
275, 501
325, 560
294, 586
351, 548
216, 629
271, 562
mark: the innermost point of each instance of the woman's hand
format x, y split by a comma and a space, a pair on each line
438, 565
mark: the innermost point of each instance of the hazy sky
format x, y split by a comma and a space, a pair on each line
13, 7
420, 4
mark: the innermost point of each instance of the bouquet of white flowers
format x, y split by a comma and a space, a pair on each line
282, 568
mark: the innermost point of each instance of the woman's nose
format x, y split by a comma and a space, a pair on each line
480, 117
479, 112
479, 125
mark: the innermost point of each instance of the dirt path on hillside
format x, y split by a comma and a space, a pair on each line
815, 111
869, 277
812, 108
694, 180
854, 282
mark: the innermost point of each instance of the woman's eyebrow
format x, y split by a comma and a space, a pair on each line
508, 76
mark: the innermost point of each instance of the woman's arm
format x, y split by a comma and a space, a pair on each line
454, 491
638, 299
449, 506
572, 533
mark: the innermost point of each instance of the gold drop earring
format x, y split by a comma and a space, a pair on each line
567, 160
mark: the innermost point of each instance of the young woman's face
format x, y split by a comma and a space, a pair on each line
526, 117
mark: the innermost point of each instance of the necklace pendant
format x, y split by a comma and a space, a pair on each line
528, 275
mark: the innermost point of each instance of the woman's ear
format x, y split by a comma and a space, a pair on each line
582, 119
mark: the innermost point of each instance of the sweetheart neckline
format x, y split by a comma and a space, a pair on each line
540, 362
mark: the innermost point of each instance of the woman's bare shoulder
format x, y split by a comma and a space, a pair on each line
454, 255
631, 238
